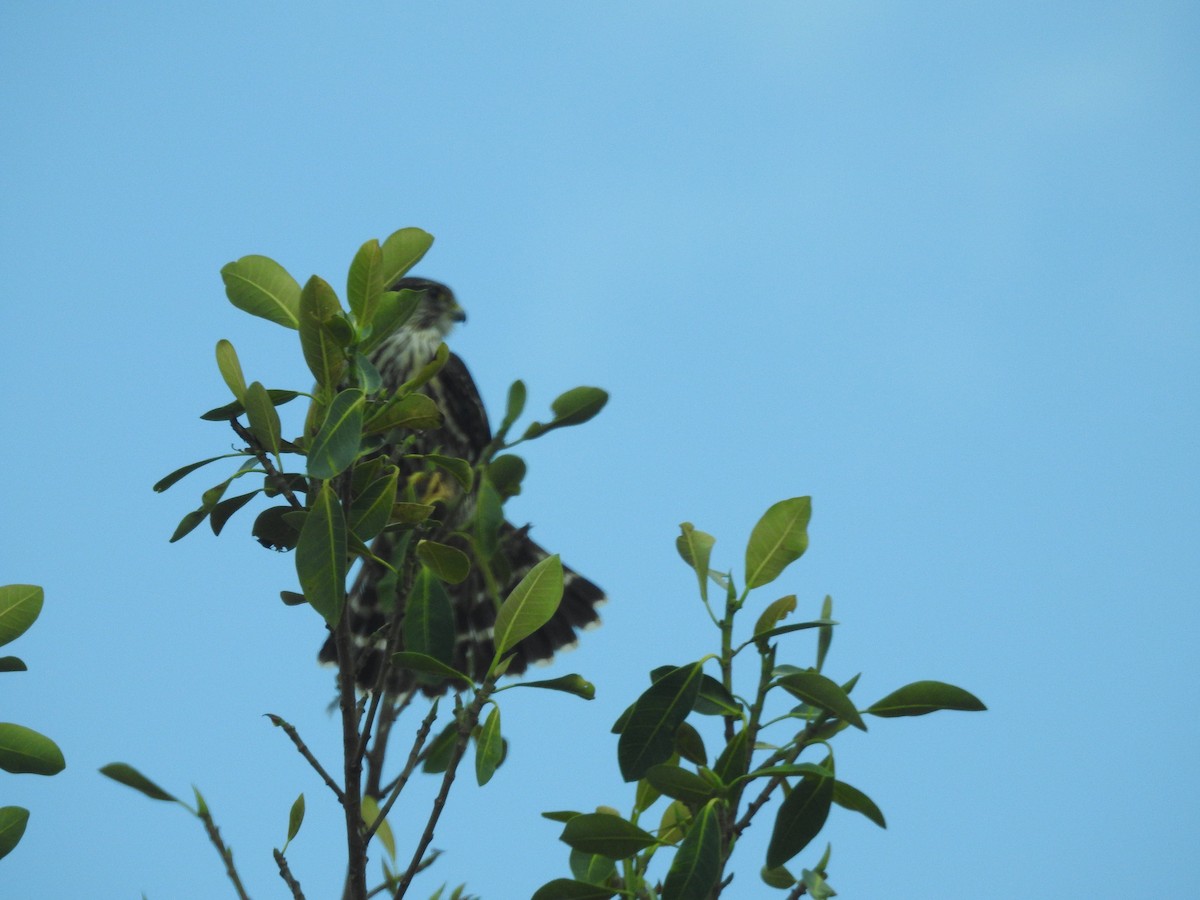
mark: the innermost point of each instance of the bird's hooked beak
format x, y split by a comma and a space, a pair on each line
458, 314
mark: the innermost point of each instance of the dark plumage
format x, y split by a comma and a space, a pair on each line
465, 434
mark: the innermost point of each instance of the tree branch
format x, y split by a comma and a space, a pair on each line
286, 874
291, 732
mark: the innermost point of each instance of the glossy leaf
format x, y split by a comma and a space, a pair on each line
20, 605
131, 777
690, 746
222, 511
648, 737
392, 310
262, 287
460, 470
923, 697
295, 818
489, 748
415, 411
370, 808
714, 700
734, 760
401, 251
364, 282
696, 868
25, 751
323, 351
591, 867
264, 420
448, 563
607, 835
337, 444
14, 664
321, 556
531, 604
429, 619
569, 684
680, 784
800, 818
163, 483
695, 547
849, 797
779, 538
372, 508
231, 369
233, 410
573, 407
420, 662
506, 473
824, 693
513, 408
774, 612
13, 820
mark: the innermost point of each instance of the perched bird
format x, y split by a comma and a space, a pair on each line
465, 433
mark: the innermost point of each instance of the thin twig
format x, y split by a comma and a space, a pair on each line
291, 732
413, 758
214, 835
356, 875
273, 474
468, 721
286, 874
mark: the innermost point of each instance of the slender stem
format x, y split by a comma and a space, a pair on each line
356, 857
264, 459
414, 757
466, 723
291, 732
214, 835
286, 874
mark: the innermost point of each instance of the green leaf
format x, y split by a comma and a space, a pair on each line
923, 697
779, 538
489, 748
323, 352
391, 311
690, 746
229, 411
513, 408
364, 283
459, 469
734, 760
337, 444
714, 700
372, 509
573, 407
295, 818
189, 522
591, 868
648, 737
606, 835
800, 818
531, 605
164, 483
20, 605
488, 519
696, 867
222, 511
448, 563
506, 473
561, 815
272, 528
696, 548
680, 784
429, 619
825, 637
440, 357
321, 556
370, 810
231, 369
14, 664
13, 820
262, 287
849, 797
779, 877
774, 612
401, 251
566, 889
795, 626
264, 420
824, 693
415, 411
25, 751
419, 662
570, 684
411, 513
131, 777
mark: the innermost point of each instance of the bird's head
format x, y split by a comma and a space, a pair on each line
436, 311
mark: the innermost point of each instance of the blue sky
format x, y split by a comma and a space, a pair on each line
935, 266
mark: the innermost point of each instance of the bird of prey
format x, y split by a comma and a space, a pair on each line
465, 433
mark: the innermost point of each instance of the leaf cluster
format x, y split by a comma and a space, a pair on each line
22, 750
711, 797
